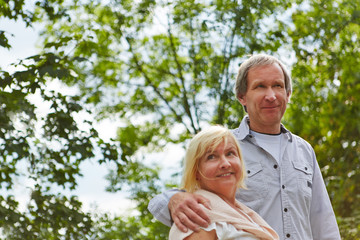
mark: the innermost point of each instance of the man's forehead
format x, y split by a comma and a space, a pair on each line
262, 72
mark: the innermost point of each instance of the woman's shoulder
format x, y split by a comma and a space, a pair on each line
209, 195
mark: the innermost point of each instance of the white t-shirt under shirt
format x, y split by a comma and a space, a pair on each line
271, 143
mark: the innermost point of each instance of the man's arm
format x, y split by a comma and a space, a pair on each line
322, 217
185, 209
158, 206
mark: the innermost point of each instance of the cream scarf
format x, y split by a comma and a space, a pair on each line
223, 212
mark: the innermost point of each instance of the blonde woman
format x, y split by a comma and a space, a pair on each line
214, 168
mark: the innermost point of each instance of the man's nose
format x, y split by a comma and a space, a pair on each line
270, 94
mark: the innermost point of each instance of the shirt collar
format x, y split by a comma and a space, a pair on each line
244, 129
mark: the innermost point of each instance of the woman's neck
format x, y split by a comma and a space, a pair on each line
229, 200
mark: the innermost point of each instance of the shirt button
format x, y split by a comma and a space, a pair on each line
285, 209
248, 171
275, 166
288, 235
283, 186
306, 168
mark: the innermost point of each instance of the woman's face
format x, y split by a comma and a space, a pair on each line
219, 170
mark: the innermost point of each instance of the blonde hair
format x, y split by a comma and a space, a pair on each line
202, 142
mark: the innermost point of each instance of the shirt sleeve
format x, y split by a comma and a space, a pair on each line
322, 217
158, 206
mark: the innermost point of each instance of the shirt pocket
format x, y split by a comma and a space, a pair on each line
304, 177
256, 185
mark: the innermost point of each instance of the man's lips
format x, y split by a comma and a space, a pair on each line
270, 107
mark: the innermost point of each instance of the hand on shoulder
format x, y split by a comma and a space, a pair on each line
186, 211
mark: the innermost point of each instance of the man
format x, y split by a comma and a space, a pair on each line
284, 183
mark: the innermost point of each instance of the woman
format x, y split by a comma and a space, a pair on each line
214, 168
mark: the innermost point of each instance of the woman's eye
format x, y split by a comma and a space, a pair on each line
211, 156
231, 153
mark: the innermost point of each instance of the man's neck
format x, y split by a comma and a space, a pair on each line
269, 134
270, 130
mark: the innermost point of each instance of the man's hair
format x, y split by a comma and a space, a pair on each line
256, 61
203, 142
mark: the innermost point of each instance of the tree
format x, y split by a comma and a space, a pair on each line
327, 109
141, 224
44, 151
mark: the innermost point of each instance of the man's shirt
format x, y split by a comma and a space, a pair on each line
290, 196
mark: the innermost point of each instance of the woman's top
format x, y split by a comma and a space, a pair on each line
226, 230
243, 219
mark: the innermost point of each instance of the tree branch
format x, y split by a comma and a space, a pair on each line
178, 117
181, 77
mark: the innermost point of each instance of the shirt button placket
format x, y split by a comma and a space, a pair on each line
284, 199
288, 235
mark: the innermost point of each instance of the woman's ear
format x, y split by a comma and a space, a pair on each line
197, 176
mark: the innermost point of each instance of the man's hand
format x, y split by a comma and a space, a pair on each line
186, 211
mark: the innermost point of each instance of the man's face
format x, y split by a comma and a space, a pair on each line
265, 98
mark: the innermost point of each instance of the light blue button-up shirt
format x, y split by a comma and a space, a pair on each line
290, 196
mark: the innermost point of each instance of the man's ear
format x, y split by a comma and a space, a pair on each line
242, 100
288, 95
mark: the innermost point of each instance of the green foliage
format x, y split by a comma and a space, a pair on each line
142, 182
327, 72
49, 217
131, 228
43, 150
161, 74
165, 69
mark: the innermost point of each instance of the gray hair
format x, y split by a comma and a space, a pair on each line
255, 61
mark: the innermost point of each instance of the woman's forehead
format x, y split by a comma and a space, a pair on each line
225, 142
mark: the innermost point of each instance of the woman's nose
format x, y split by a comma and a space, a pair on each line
224, 162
